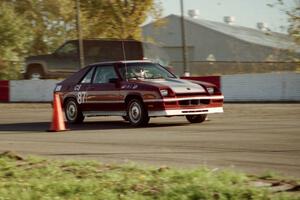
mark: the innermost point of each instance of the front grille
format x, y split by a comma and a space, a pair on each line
193, 111
170, 103
194, 102
190, 94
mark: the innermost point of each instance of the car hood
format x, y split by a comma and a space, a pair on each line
178, 85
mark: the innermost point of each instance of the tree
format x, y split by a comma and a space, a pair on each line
50, 22
31, 27
53, 22
293, 12
13, 41
117, 18
294, 19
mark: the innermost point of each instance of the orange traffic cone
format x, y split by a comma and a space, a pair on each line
58, 123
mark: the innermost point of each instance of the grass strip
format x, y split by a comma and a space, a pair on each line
38, 178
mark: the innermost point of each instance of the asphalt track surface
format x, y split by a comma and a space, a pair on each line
253, 138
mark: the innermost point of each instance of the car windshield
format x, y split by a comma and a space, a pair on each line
144, 71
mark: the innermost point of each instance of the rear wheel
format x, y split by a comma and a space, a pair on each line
72, 112
137, 114
35, 73
196, 118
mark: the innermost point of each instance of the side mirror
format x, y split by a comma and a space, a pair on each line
113, 80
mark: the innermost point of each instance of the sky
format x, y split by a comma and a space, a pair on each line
246, 12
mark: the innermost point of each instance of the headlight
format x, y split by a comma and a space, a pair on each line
164, 93
210, 90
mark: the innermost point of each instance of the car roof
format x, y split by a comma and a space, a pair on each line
106, 40
121, 62
76, 77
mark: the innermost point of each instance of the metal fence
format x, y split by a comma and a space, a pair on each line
200, 68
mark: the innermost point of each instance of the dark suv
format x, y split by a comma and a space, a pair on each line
65, 60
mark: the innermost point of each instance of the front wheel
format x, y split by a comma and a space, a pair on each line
72, 112
137, 114
196, 118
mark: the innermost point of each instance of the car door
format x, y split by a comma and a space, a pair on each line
64, 59
103, 95
81, 90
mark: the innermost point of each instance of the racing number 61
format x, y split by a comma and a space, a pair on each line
81, 97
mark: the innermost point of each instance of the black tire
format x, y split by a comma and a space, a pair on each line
137, 113
125, 118
72, 112
35, 73
196, 118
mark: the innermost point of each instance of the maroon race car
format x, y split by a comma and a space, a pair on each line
136, 90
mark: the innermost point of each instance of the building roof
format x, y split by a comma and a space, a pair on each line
269, 38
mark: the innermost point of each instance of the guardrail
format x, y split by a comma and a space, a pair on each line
4, 91
272, 87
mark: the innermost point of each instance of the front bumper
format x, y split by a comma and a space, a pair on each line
185, 106
179, 112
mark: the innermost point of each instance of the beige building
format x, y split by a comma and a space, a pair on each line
223, 48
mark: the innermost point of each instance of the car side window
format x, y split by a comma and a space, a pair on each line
93, 52
68, 49
88, 77
104, 73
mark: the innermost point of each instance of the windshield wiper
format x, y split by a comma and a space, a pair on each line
155, 77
